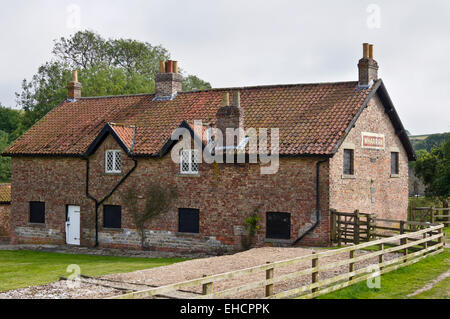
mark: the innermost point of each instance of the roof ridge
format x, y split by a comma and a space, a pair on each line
250, 87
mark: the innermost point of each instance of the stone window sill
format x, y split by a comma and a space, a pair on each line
112, 230
395, 175
38, 225
345, 176
277, 241
188, 234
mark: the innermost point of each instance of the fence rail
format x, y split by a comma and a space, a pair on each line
430, 214
413, 246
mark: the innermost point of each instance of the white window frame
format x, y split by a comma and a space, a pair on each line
193, 166
117, 154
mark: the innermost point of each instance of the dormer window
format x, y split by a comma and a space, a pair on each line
189, 162
113, 162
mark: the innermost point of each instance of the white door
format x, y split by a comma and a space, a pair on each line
73, 225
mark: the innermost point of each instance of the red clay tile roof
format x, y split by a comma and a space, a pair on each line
312, 118
125, 133
5, 193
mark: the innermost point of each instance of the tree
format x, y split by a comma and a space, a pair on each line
191, 83
106, 67
5, 162
434, 170
157, 200
9, 119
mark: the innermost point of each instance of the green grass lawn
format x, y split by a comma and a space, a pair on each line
402, 282
20, 269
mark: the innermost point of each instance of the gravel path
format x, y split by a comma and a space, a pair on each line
193, 269
197, 268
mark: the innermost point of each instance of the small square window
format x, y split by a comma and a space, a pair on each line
188, 220
394, 163
189, 163
278, 226
113, 162
349, 162
37, 212
112, 216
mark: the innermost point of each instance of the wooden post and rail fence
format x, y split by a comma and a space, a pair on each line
410, 246
430, 214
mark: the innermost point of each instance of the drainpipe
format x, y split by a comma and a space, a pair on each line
98, 203
316, 223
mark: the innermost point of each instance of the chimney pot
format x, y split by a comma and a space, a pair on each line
237, 99
75, 76
226, 99
162, 67
370, 51
365, 50
175, 66
169, 66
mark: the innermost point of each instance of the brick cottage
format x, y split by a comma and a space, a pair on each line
341, 146
5, 210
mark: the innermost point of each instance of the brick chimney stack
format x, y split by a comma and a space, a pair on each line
230, 116
74, 87
168, 81
368, 67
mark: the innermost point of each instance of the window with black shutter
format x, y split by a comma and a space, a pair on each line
189, 220
349, 162
112, 216
394, 163
278, 226
37, 212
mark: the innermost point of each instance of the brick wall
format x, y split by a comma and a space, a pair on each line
373, 190
5, 220
225, 195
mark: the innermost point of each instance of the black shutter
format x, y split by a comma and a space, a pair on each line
394, 163
278, 225
112, 216
348, 162
188, 220
37, 212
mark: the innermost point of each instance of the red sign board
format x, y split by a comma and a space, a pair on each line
373, 140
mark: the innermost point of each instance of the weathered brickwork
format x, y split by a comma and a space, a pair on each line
225, 194
5, 220
373, 190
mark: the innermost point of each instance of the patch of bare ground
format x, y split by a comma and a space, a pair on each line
430, 285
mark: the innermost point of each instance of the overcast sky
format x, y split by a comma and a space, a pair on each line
251, 42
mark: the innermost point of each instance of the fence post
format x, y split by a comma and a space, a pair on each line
352, 264
402, 227
333, 225
207, 288
425, 244
441, 239
356, 228
381, 257
405, 252
315, 274
339, 234
269, 275
432, 215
